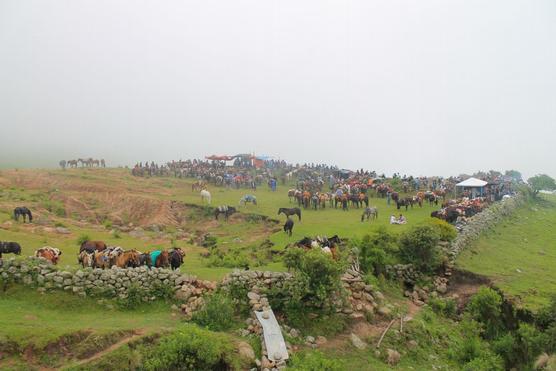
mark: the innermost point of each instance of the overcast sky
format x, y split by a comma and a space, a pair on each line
421, 87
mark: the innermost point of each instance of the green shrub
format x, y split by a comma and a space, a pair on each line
373, 251
192, 348
314, 361
418, 246
133, 299
446, 231
107, 223
444, 307
486, 308
217, 314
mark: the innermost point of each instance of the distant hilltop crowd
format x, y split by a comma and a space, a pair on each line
84, 162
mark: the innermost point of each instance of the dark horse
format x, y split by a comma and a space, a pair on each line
176, 258
288, 226
408, 201
92, 246
9, 248
289, 212
24, 212
226, 210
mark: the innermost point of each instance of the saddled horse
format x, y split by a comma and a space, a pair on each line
370, 212
206, 196
248, 198
288, 226
175, 257
145, 259
9, 248
163, 260
86, 259
290, 211
129, 258
306, 197
92, 246
224, 209
24, 212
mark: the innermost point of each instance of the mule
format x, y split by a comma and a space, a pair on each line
24, 212
290, 211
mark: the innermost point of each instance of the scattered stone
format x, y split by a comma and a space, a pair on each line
357, 342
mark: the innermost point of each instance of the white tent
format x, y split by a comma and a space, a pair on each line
472, 183
475, 185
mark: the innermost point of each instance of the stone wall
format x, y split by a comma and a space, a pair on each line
470, 229
111, 283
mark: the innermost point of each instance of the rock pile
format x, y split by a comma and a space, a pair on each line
191, 292
363, 300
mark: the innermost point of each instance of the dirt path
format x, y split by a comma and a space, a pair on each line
136, 334
365, 330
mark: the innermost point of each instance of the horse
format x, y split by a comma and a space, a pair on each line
291, 211
395, 196
101, 259
102, 162
9, 248
51, 254
62, 164
370, 212
145, 259
248, 198
86, 259
306, 197
95, 162
176, 258
224, 209
72, 163
288, 226
92, 246
24, 212
162, 260
205, 196
408, 201
130, 258
363, 198
291, 194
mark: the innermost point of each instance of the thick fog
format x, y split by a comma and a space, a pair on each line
419, 87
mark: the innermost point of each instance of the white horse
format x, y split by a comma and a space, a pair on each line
205, 196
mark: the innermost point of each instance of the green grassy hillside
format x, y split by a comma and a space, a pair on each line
519, 254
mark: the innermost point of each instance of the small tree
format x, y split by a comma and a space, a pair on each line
418, 246
486, 308
542, 182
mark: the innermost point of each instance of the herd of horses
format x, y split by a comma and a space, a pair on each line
320, 200
96, 254
85, 162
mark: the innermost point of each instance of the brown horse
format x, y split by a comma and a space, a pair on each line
101, 260
130, 258
92, 246
163, 260
86, 259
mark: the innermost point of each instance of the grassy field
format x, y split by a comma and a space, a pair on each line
519, 254
80, 199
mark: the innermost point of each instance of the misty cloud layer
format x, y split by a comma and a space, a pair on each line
419, 87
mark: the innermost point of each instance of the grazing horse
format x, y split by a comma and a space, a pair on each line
246, 199
205, 196
370, 212
51, 254
288, 226
92, 246
224, 209
24, 212
176, 258
9, 248
289, 212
